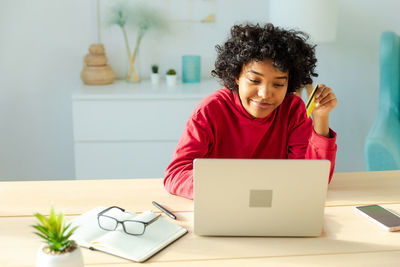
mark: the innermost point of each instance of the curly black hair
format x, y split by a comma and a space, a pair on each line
288, 50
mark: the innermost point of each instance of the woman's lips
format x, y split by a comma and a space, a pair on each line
260, 105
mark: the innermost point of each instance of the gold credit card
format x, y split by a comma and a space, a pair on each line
311, 102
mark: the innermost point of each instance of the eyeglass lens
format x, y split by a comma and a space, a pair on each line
107, 223
131, 227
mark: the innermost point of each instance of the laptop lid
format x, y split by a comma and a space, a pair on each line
257, 197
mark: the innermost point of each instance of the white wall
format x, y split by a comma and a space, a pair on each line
42, 44
41, 48
351, 66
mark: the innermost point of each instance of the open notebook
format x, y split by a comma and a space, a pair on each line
157, 235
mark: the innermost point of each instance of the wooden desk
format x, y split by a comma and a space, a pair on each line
348, 238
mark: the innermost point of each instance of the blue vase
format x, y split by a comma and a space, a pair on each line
191, 69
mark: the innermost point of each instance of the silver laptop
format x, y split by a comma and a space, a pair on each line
257, 197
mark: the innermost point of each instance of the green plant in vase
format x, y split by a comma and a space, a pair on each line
171, 77
54, 231
154, 77
171, 72
154, 68
142, 18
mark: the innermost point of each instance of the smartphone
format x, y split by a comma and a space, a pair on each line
381, 216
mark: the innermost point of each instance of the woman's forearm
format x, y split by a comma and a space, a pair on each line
321, 125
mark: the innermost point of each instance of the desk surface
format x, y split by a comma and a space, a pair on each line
348, 238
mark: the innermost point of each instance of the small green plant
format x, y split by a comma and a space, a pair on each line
55, 232
171, 72
154, 68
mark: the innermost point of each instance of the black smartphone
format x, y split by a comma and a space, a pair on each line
381, 216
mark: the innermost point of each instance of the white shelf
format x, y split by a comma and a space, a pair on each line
121, 89
127, 129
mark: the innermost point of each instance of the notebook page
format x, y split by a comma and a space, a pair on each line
157, 235
89, 230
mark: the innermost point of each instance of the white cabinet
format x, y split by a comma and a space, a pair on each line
127, 130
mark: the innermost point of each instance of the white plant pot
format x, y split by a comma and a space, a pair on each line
171, 80
155, 78
70, 259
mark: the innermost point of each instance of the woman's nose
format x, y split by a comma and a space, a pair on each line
264, 92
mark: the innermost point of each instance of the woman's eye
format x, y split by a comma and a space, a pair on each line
254, 81
278, 85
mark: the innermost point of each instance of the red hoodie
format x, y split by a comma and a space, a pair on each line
221, 128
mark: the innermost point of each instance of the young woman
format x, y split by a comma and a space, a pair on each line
257, 115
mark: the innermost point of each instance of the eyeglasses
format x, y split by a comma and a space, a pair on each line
131, 227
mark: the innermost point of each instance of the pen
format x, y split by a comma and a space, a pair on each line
164, 210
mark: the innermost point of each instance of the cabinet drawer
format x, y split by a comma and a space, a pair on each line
127, 120
120, 160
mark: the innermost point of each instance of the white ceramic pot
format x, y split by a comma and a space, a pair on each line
171, 80
70, 259
155, 78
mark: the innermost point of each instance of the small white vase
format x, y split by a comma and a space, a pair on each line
171, 80
155, 78
70, 259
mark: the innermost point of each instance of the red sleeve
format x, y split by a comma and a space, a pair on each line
320, 147
305, 143
194, 143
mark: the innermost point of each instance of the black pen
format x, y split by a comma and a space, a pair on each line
164, 210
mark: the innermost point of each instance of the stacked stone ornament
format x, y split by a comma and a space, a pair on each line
96, 71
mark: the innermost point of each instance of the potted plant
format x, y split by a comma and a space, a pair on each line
171, 77
142, 17
60, 251
155, 77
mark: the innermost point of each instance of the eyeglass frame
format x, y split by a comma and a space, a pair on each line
122, 222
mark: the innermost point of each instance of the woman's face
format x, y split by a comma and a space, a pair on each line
262, 87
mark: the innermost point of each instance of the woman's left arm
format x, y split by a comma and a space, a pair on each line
313, 139
325, 102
